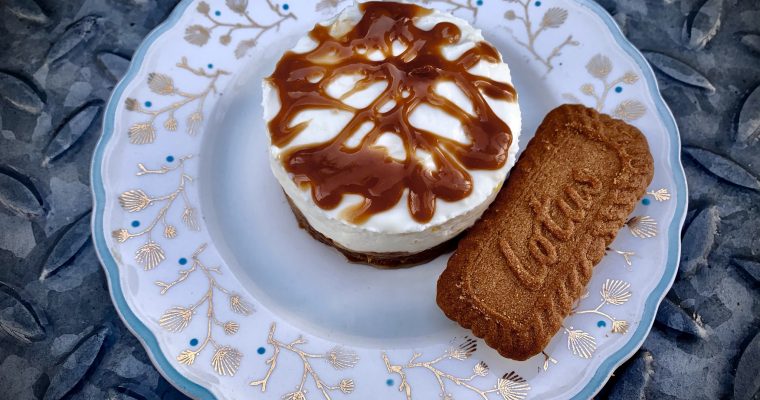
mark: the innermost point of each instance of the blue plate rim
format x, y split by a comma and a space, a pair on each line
195, 390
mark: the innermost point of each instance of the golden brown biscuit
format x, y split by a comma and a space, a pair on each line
517, 274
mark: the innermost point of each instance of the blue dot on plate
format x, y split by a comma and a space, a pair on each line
182, 261
148, 104
135, 223
261, 350
210, 66
601, 324
538, 4
645, 202
169, 158
217, 13
389, 382
479, 2
285, 6
618, 89
193, 342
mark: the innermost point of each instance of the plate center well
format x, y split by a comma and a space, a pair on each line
303, 281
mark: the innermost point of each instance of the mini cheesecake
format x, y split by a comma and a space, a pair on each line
391, 129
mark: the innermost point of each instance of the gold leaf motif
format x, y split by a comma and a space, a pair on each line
660, 194
630, 110
161, 83
580, 343
554, 18
510, 15
170, 232
142, 133
238, 305
226, 361
171, 124
188, 218
630, 77
150, 255
225, 39
619, 326
512, 386
588, 89
599, 66
340, 358
134, 200
187, 357
203, 8
197, 35
346, 386
121, 235
237, 6
231, 327
176, 319
642, 226
615, 292
131, 104
298, 395
194, 122
480, 369
243, 47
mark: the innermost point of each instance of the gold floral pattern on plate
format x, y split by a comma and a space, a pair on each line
600, 67
145, 132
199, 34
553, 18
151, 254
337, 357
226, 359
511, 386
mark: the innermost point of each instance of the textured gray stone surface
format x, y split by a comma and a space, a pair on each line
60, 336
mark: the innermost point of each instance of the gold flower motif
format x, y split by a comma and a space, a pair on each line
642, 226
134, 200
161, 83
176, 319
187, 357
480, 369
340, 358
142, 133
464, 350
230, 327
150, 255
197, 35
346, 386
171, 124
238, 6
240, 306
588, 89
512, 386
554, 18
615, 292
510, 15
580, 343
226, 361
619, 326
121, 235
630, 109
170, 232
131, 104
599, 66
225, 39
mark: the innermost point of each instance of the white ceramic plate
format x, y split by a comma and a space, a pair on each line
209, 269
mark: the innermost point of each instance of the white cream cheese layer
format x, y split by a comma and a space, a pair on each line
395, 230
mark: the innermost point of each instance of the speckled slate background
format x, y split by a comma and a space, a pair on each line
60, 336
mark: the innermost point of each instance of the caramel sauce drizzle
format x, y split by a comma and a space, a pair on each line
333, 169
